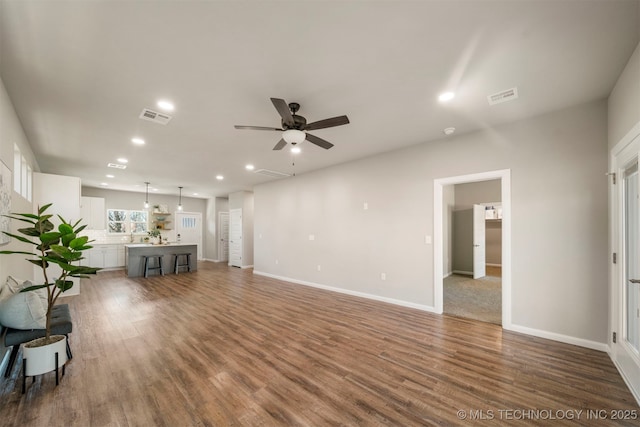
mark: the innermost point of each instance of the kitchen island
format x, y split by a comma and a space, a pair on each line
135, 252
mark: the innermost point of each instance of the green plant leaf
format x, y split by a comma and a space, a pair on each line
82, 270
17, 218
79, 229
33, 288
65, 229
31, 231
16, 252
25, 215
64, 285
22, 239
63, 252
44, 208
67, 238
50, 237
38, 262
78, 242
45, 226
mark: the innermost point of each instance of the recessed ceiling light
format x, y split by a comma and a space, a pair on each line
249, 167
295, 150
104, 184
165, 105
110, 176
137, 141
194, 194
449, 131
219, 177
123, 160
154, 189
446, 96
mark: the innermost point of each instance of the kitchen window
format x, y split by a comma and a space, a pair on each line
121, 221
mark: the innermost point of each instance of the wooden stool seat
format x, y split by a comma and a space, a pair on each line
186, 263
148, 267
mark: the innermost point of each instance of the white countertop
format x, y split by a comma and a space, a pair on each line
149, 245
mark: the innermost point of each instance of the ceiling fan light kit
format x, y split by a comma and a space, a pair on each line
294, 127
294, 136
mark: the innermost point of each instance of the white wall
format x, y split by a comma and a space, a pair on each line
11, 132
624, 101
559, 233
466, 195
214, 207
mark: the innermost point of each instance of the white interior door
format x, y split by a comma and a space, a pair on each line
479, 242
235, 237
223, 236
625, 307
189, 227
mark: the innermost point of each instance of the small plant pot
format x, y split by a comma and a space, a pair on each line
41, 359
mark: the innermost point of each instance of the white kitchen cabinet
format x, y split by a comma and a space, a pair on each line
93, 212
104, 256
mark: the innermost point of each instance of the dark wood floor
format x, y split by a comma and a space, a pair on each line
223, 347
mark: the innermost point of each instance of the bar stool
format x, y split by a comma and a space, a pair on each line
148, 267
177, 264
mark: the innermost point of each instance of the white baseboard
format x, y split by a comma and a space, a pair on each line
634, 392
515, 328
493, 265
466, 273
349, 292
594, 345
247, 266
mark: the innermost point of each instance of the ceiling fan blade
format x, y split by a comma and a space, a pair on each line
319, 141
328, 123
280, 145
257, 128
283, 109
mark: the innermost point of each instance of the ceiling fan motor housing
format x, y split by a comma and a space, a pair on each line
299, 123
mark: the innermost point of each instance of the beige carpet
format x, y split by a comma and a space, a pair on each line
479, 299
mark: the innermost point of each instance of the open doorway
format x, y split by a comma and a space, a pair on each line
472, 282
443, 244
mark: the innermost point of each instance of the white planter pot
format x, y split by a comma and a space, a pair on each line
42, 359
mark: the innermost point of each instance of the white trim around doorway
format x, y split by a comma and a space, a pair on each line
504, 176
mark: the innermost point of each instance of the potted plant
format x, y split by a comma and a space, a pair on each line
155, 236
62, 248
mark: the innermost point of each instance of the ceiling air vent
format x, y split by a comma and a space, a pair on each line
503, 96
273, 174
154, 116
116, 166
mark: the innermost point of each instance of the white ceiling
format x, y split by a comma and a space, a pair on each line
80, 72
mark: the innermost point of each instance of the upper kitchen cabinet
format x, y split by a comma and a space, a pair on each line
93, 213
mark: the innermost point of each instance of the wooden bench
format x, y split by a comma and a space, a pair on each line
60, 325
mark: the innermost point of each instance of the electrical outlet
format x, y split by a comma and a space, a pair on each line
312, 237
318, 267
365, 206
276, 262
427, 240
383, 276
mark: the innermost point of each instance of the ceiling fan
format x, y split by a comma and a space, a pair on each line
294, 127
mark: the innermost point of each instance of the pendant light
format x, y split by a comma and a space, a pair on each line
180, 200
146, 200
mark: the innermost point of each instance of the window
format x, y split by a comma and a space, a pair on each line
138, 221
22, 174
122, 221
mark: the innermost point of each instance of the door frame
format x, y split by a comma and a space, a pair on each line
219, 236
504, 175
623, 361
